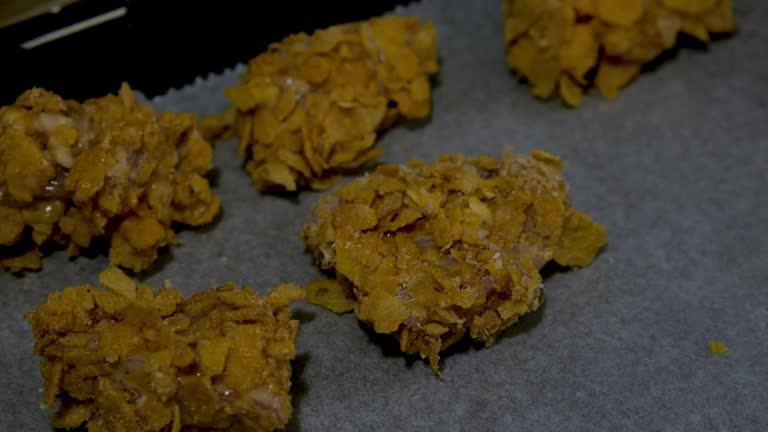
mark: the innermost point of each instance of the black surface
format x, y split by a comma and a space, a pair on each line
158, 44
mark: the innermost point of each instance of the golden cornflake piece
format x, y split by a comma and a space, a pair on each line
129, 359
331, 294
311, 106
554, 45
716, 348
109, 168
220, 126
433, 252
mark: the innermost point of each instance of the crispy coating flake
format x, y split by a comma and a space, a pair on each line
109, 168
310, 107
331, 294
219, 126
436, 251
555, 44
131, 359
717, 348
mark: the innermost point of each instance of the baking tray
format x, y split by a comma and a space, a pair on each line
676, 171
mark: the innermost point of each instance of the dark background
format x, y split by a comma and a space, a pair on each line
158, 44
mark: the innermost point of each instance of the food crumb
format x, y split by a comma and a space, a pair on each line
331, 294
717, 348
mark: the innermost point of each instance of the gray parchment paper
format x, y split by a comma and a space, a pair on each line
676, 171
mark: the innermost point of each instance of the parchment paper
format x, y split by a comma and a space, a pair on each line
676, 171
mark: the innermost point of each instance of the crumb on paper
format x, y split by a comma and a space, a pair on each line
557, 45
219, 126
331, 294
436, 251
73, 174
717, 348
131, 358
310, 107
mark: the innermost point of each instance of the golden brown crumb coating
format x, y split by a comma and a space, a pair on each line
431, 252
107, 169
311, 106
556, 44
131, 359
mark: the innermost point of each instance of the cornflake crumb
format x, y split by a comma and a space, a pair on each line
433, 252
111, 169
218, 126
331, 294
716, 348
555, 45
129, 358
311, 106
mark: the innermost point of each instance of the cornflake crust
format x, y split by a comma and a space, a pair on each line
556, 44
431, 252
311, 106
130, 359
107, 169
